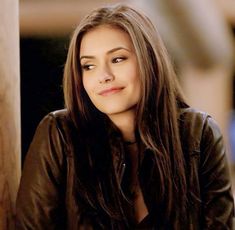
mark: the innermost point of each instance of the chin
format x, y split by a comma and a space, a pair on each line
114, 110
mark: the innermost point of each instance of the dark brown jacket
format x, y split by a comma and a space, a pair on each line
46, 199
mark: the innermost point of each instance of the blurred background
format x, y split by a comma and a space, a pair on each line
199, 35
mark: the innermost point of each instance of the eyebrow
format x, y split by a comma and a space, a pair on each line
110, 51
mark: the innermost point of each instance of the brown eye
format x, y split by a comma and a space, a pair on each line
87, 67
118, 59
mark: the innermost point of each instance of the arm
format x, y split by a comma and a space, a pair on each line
217, 199
40, 197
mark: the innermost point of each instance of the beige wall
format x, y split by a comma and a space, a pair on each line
9, 111
210, 90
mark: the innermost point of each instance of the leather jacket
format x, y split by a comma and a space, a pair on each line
46, 200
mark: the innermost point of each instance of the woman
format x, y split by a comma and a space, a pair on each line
127, 152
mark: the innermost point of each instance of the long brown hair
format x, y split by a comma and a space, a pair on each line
156, 120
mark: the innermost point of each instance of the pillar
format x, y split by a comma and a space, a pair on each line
9, 111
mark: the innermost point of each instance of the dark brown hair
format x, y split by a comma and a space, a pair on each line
156, 119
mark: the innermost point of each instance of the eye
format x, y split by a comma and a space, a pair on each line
87, 67
118, 59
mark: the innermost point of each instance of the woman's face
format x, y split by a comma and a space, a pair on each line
110, 71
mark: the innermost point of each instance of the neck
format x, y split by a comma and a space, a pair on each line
126, 124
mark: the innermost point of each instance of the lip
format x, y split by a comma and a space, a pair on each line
110, 91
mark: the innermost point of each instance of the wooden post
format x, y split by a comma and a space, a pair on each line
9, 111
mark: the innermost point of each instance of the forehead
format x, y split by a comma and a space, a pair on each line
104, 38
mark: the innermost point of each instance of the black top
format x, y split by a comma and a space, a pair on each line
146, 223
46, 198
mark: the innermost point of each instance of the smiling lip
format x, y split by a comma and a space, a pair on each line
110, 91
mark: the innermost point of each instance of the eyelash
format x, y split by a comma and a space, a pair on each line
114, 60
86, 67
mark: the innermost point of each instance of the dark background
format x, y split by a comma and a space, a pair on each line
42, 63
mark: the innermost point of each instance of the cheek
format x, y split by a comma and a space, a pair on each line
137, 87
136, 82
134, 77
134, 72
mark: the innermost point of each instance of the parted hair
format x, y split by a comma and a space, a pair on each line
156, 120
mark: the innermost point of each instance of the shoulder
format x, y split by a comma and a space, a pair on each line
55, 126
61, 113
58, 118
193, 115
196, 119
197, 128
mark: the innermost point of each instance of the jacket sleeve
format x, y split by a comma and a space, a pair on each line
216, 192
40, 198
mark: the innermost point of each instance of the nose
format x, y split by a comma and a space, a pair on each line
106, 75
